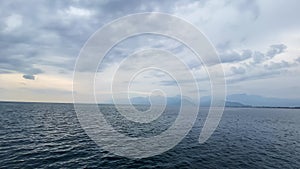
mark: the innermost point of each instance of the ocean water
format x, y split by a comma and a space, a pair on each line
41, 135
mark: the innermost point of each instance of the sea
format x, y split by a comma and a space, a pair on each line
49, 135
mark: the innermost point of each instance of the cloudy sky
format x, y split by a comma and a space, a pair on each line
258, 43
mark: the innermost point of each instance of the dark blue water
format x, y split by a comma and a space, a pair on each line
40, 135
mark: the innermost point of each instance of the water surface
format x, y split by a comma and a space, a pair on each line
42, 135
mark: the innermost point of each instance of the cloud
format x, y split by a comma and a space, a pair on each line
254, 76
59, 29
29, 77
226, 22
238, 70
275, 50
169, 83
52, 33
12, 22
258, 57
42, 36
17, 63
234, 56
277, 65
74, 11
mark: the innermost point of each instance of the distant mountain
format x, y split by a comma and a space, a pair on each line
234, 100
156, 100
256, 100
205, 101
235, 104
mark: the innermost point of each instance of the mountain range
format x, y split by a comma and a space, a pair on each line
234, 100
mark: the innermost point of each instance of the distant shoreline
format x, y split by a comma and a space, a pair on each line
248, 106
269, 107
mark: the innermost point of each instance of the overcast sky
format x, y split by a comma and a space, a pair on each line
258, 43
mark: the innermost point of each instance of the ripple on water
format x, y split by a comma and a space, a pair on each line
38, 135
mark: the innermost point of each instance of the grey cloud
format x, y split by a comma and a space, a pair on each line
260, 75
222, 46
238, 70
168, 83
275, 50
265, 71
29, 77
53, 33
258, 57
277, 65
249, 6
258, 71
233, 56
143, 42
47, 31
19, 64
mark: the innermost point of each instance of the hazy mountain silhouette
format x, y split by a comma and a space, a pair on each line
234, 100
156, 100
256, 100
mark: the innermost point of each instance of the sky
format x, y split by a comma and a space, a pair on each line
258, 43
